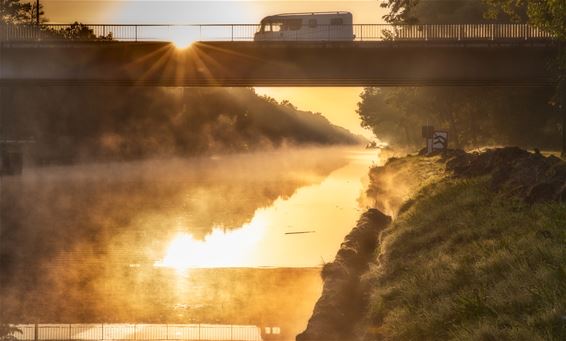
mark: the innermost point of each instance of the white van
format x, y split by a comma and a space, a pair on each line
316, 26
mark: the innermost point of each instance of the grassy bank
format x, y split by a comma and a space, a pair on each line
462, 262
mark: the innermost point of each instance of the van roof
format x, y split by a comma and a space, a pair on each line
306, 14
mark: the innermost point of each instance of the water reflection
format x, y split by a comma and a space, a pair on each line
219, 249
311, 223
81, 243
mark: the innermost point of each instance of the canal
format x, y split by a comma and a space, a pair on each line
226, 239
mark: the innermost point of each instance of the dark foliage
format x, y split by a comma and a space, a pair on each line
473, 116
114, 123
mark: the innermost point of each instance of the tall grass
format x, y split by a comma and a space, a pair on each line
462, 263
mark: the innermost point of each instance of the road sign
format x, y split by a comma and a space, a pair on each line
440, 141
427, 132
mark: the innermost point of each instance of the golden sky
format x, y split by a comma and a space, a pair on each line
338, 104
198, 12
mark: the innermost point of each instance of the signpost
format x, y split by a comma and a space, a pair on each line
439, 141
436, 140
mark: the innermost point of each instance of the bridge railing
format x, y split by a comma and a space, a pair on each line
246, 32
139, 332
460, 32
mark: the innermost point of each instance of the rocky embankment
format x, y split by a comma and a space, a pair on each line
342, 301
513, 171
457, 232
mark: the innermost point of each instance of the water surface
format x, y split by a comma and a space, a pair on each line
227, 239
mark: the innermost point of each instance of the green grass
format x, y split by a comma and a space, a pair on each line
462, 263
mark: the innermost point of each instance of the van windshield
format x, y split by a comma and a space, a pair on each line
281, 25
271, 26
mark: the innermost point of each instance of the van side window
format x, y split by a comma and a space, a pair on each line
294, 24
313, 23
336, 21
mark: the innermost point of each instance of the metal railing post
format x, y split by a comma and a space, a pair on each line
136, 30
232, 32
526, 32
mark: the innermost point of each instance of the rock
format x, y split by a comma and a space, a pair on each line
341, 303
530, 176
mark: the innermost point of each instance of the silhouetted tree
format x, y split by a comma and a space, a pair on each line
434, 11
549, 15
14, 11
36, 15
109, 123
8, 332
79, 31
474, 116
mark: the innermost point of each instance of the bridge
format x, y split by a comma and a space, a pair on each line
226, 55
139, 332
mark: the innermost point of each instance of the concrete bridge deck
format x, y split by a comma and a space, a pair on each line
357, 63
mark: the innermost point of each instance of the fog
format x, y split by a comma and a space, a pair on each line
87, 124
114, 175
394, 184
79, 243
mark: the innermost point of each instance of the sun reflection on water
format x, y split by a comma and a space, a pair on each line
329, 208
219, 249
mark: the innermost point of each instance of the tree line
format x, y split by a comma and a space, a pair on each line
116, 123
31, 15
474, 116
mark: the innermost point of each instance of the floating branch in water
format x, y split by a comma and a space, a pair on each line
300, 232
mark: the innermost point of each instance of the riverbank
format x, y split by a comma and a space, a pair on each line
476, 249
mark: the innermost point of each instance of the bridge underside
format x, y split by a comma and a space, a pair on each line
279, 64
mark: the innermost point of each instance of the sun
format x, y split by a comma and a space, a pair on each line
183, 36
181, 42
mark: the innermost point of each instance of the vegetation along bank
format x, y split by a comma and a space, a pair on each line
475, 252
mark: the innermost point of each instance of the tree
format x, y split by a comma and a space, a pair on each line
14, 12
391, 120
549, 15
8, 332
36, 13
79, 31
473, 116
434, 11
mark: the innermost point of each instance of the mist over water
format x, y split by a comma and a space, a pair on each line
178, 240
